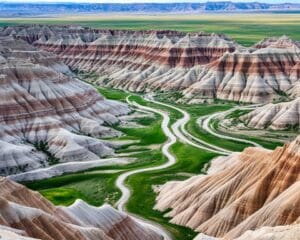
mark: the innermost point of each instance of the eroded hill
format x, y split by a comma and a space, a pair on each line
46, 114
253, 189
197, 64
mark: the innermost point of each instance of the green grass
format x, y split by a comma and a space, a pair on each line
246, 29
237, 113
195, 130
95, 189
190, 160
143, 200
198, 110
148, 135
145, 121
113, 94
264, 143
63, 196
173, 114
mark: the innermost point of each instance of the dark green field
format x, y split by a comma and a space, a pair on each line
247, 29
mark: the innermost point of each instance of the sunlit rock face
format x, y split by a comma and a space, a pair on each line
278, 116
197, 64
44, 107
288, 232
291, 232
260, 188
27, 213
258, 75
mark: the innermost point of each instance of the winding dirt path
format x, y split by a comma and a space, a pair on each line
204, 122
120, 183
183, 135
174, 132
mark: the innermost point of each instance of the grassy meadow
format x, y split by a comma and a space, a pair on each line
246, 29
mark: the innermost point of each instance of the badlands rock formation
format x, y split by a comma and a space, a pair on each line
291, 232
260, 188
288, 232
277, 116
256, 75
46, 113
27, 213
199, 65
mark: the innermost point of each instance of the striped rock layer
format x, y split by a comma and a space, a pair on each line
259, 188
45, 111
197, 64
279, 116
27, 213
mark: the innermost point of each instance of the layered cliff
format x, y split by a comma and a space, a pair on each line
279, 116
46, 114
259, 188
197, 64
258, 76
27, 213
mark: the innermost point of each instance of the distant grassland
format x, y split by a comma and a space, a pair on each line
246, 29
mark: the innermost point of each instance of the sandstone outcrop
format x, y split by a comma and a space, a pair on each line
46, 114
260, 189
197, 64
288, 232
25, 212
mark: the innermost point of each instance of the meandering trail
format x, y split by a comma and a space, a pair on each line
120, 183
204, 122
179, 132
184, 135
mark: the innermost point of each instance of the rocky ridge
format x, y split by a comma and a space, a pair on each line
259, 188
279, 116
197, 64
27, 213
46, 114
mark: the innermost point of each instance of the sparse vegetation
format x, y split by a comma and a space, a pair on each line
189, 160
43, 147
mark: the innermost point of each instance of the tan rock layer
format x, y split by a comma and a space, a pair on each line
262, 188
